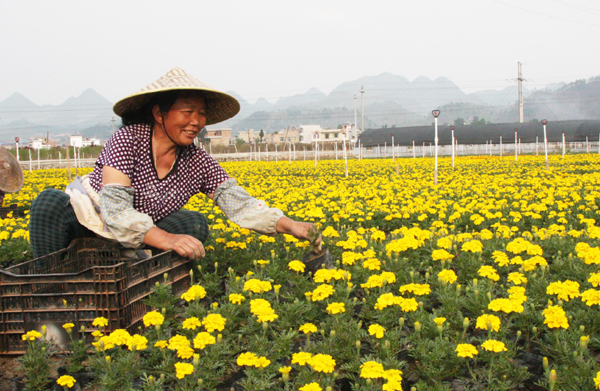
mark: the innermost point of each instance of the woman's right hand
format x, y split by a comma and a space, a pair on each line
186, 246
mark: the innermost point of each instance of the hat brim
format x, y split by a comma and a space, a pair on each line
220, 106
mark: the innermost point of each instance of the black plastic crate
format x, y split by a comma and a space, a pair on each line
87, 280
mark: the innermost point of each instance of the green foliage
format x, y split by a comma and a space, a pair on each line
15, 251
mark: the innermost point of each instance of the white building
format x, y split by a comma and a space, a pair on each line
314, 133
247, 135
38, 143
77, 140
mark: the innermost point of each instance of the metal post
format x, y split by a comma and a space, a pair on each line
516, 146
345, 156
436, 114
290, 154
544, 122
564, 146
587, 144
38, 153
500, 146
393, 149
536, 145
29, 150
452, 128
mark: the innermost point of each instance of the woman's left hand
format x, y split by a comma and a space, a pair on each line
299, 230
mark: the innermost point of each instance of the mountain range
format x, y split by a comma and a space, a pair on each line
388, 100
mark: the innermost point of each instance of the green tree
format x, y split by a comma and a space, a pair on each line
261, 135
459, 121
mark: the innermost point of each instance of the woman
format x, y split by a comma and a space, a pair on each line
148, 171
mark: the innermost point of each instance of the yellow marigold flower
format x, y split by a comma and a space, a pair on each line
257, 286
447, 276
262, 362
474, 246
103, 344
120, 337
322, 292
385, 300
263, 262
185, 352
213, 322
301, 358
489, 272
505, 305
286, 369
97, 334
236, 298
374, 281
407, 305
194, 293
594, 279
555, 317
336, 308
371, 370
485, 319
308, 328
66, 381
100, 322
138, 342
161, 344
376, 330
466, 350
500, 258
441, 255
492, 345
393, 374
68, 326
177, 341
565, 290
597, 380
445, 242
191, 323
203, 339
322, 363
517, 278
153, 318
439, 321
417, 289
296, 266
372, 264
591, 297
330, 232
311, 387
182, 369
247, 359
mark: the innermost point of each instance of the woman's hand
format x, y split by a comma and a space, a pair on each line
299, 230
184, 245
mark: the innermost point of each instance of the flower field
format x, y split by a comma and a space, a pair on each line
487, 281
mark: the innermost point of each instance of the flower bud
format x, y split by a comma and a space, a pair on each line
328, 388
44, 331
200, 382
151, 380
166, 276
107, 358
417, 327
219, 337
519, 334
552, 378
332, 333
475, 282
458, 288
357, 344
215, 306
583, 341
265, 326
534, 329
162, 376
476, 292
401, 322
545, 364
387, 345
466, 323
421, 305
581, 328
157, 284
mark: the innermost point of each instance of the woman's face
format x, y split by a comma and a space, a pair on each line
185, 119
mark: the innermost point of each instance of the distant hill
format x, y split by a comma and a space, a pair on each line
389, 100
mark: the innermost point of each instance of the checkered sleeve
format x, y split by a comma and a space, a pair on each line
119, 152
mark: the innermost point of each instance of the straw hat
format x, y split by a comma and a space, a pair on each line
11, 174
221, 106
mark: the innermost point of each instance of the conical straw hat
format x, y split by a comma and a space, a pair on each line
220, 106
11, 174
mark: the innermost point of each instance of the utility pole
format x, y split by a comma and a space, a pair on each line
355, 122
520, 81
113, 124
362, 109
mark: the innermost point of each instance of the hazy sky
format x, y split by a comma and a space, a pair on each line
51, 50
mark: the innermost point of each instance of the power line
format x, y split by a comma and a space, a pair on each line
546, 15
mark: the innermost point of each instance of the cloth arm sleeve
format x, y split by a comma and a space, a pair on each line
245, 210
127, 224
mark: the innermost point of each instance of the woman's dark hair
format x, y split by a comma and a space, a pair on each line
164, 100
